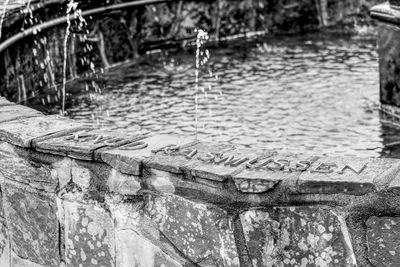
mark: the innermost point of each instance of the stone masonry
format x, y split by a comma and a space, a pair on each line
75, 195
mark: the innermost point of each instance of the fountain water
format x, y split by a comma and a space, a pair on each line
202, 37
72, 7
202, 57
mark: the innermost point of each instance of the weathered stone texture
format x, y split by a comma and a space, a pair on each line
4, 240
61, 171
138, 240
20, 262
89, 236
179, 160
297, 236
90, 176
383, 236
202, 233
13, 112
159, 181
348, 175
261, 177
130, 161
123, 184
135, 250
22, 132
4, 235
83, 144
214, 162
29, 173
33, 225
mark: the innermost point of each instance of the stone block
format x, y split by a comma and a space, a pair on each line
14, 112
123, 184
82, 144
135, 250
194, 160
129, 161
297, 236
33, 225
4, 244
7, 150
139, 240
269, 169
383, 237
159, 181
28, 173
218, 162
22, 132
62, 172
202, 233
96, 177
394, 186
4, 236
89, 236
90, 176
20, 262
348, 175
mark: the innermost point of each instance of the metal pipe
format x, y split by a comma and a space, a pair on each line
58, 21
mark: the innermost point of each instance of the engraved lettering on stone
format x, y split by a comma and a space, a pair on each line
98, 139
301, 166
352, 169
114, 141
102, 139
134, 146
262, 164
324, 168
76, 136
230, 160
168, 149
191, 154
208, 158
251, 163
278, 165
221, 159
239, 162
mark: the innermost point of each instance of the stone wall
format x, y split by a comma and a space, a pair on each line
74, 195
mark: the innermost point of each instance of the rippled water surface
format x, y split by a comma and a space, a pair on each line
311, 94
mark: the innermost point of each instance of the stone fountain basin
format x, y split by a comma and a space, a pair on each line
88, 196
76, 195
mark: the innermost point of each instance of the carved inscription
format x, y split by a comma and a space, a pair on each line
95, 138
283, 165
272, 164
229, 160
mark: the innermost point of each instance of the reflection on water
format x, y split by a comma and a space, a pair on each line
297, 95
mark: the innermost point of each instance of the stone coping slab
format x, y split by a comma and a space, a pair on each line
248, 171
348, 175
12, 112
81, 144
21, 132
383, 240
129, 159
